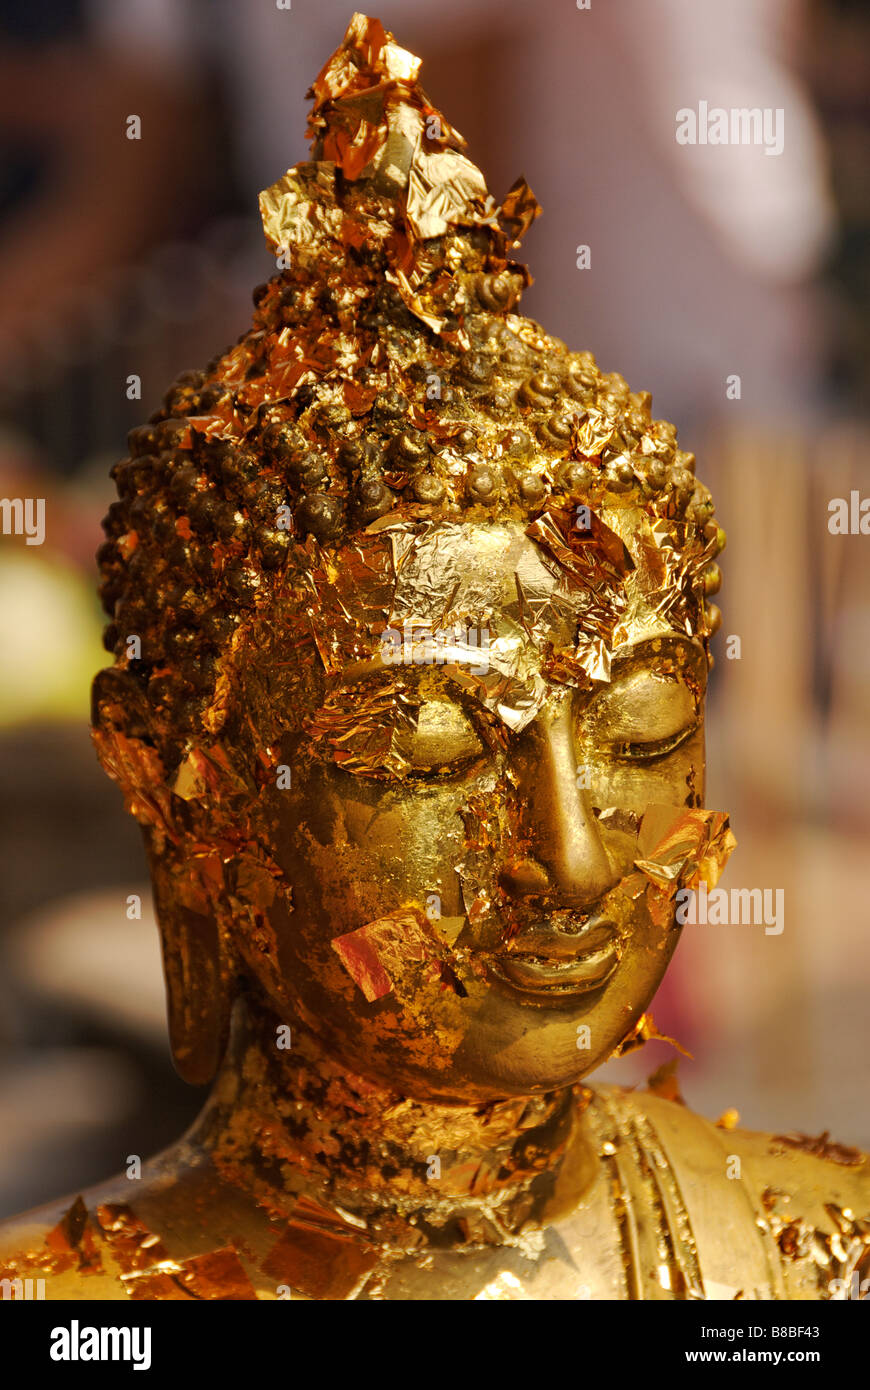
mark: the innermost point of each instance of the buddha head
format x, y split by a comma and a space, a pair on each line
408, 604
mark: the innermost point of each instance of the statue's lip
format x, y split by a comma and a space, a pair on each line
558, 978
548, 942
541, 960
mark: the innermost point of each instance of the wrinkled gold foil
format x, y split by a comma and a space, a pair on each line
414, 731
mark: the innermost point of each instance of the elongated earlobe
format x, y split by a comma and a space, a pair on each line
197, 981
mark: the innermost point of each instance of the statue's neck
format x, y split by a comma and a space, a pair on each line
303, 1133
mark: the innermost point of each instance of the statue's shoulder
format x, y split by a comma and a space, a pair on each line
173, 1233
53, 1252
789, 1211
815, 1171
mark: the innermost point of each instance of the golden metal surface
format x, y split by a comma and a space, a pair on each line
416, 740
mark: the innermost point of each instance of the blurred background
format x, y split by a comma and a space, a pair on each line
126, 258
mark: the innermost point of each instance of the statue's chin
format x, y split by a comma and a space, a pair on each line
499, 1041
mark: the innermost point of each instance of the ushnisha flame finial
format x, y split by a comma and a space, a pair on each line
384, 153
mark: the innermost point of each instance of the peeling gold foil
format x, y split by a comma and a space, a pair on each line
414, 731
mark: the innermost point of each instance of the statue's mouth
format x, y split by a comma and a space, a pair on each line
543, 961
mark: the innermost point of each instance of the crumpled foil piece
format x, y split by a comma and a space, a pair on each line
644, 1031
373, 123
321, 1262
598, 562
373, 952
683, 847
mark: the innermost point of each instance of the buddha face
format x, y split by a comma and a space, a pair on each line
466, 808
415, 738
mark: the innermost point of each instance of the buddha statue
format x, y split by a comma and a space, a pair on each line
409, 607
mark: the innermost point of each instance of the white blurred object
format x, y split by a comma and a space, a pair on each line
84, 951
773, 213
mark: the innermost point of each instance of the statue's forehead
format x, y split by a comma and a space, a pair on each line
474, 570
528, 610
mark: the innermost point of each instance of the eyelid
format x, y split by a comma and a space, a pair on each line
653, 749
458, 734
454, 730
642, 690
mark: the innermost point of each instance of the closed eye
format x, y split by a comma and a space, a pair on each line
442, 740
649, 750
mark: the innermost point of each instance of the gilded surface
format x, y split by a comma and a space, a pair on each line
414, 731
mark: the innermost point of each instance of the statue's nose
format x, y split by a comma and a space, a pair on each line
566, 854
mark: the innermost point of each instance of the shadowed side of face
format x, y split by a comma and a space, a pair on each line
493, 756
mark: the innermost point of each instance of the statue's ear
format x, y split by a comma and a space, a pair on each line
198, 978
